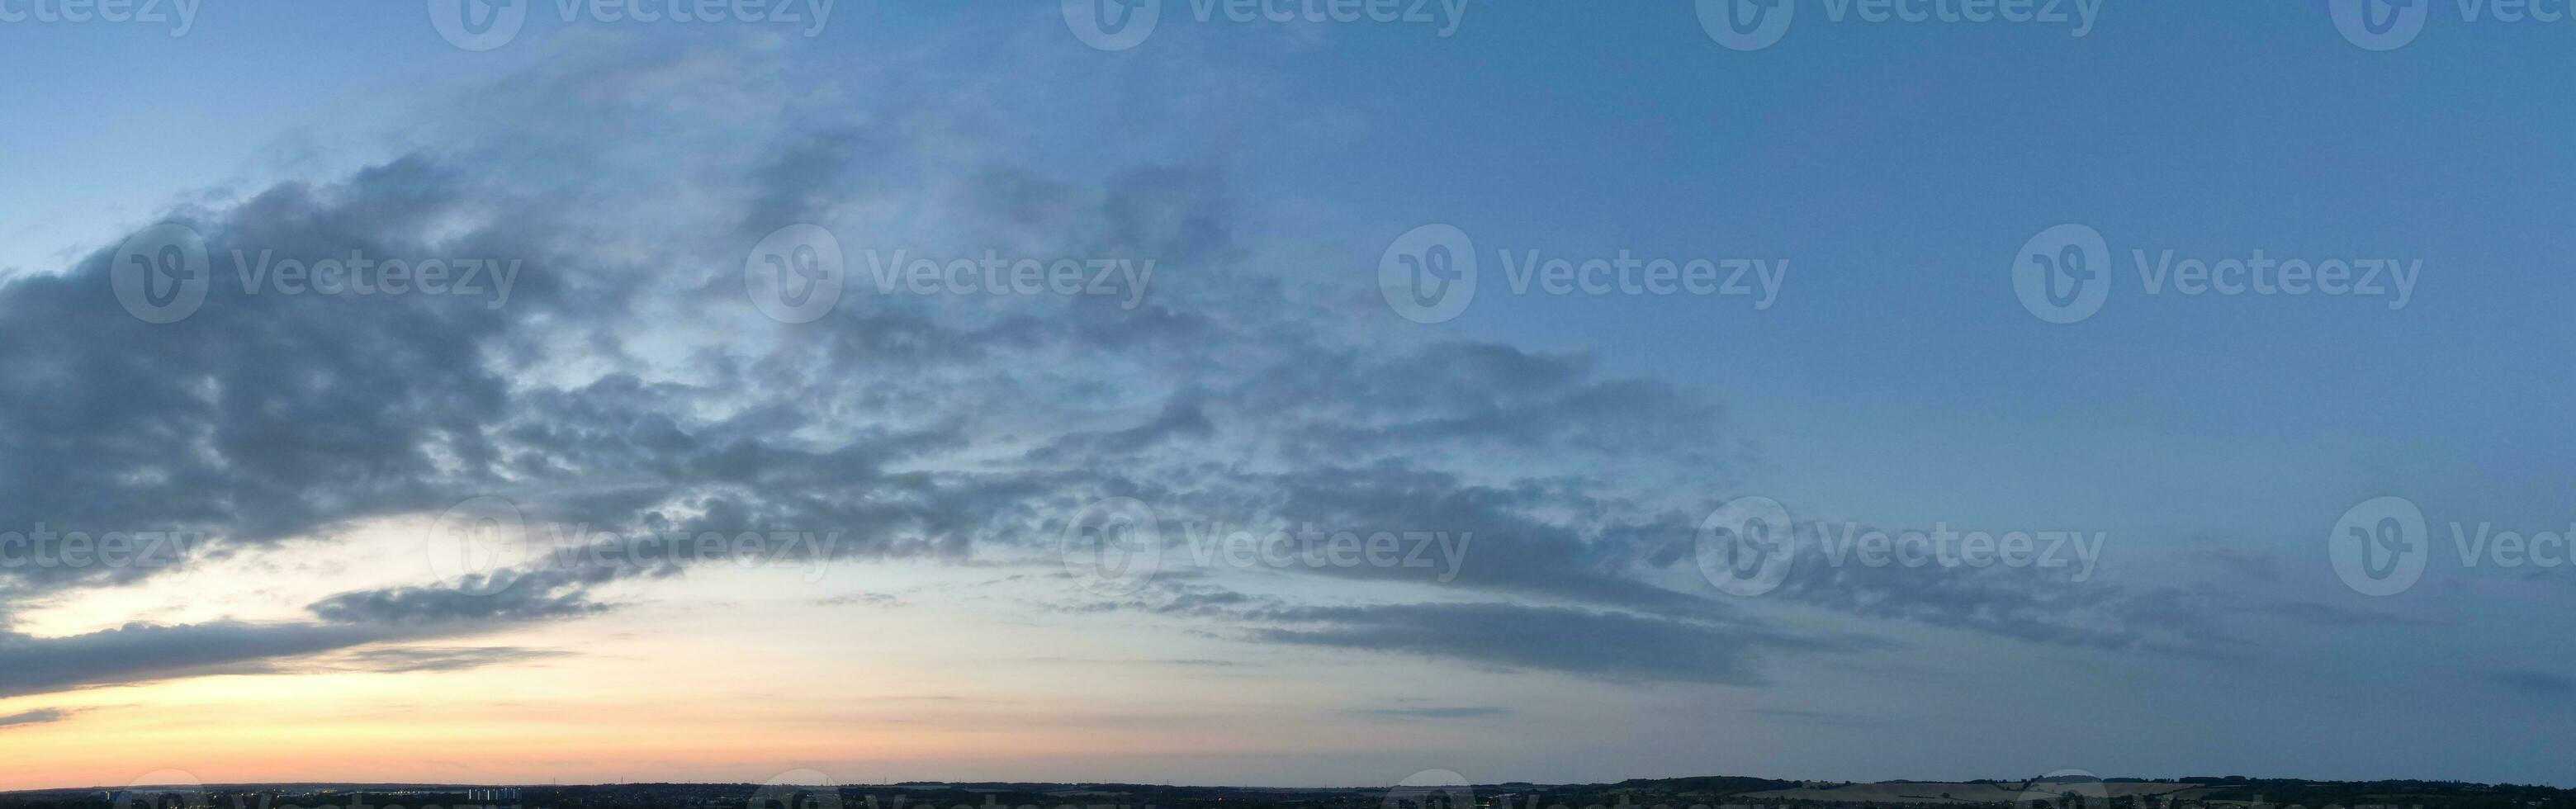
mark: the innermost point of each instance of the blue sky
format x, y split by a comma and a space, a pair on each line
2213, 441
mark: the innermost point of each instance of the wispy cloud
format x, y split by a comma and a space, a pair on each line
35, 717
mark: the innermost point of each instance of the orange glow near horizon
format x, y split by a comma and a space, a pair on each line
707, 680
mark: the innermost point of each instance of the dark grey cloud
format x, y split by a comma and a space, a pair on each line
2330, 615
934, 427
399, 659
861, 600
1515, 547
2252, 564
139, 653
2533, 683
262, 415
2064, 606
1179, 419
1827, 718
1453, 712
538, 595
1358, 402
1600, 644
35, 717
358, 627
1186, 661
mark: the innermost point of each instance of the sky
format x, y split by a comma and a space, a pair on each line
1274, 394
